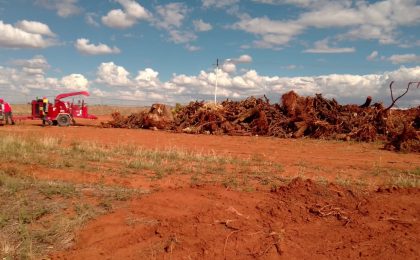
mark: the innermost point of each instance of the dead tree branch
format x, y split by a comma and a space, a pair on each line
400, 96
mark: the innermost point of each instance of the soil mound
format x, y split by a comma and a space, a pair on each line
303, 220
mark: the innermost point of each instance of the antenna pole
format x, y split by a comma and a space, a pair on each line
215, 89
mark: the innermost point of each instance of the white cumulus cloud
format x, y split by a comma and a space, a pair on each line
245, 58
34, 27
90, 19
64, 8
112, 75
148, 78
344, 87
372, 56
229, 67
272, 33
366, 20
15, 37
404, 58
76, 82
192, 48
36, 65
323, 47
28, 78
201, 26
83, 46
219, 3
132, 13
179, 36
300, 3
171, 15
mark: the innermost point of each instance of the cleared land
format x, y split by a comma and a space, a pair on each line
85, 192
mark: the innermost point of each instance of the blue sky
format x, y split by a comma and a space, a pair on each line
164, 51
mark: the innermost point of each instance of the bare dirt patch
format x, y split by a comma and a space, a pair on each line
303, 220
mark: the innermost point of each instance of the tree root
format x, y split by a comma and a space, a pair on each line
329, 210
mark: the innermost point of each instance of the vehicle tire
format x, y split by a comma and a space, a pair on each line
63, 120
54, 122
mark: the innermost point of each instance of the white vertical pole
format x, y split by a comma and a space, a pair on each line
215, 89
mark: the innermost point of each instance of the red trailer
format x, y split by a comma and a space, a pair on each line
62, 113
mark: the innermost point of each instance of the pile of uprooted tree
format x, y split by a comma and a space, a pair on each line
295, 117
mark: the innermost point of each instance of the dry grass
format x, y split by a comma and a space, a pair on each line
40, 216
37, 217
204, 167
406, 178
131, 160
397, 177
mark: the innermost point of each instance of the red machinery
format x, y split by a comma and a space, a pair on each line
61, 113
1, 115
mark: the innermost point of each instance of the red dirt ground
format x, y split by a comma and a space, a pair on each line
303, 220
300, 221
308, 158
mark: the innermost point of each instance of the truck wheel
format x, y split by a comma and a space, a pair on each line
63, 120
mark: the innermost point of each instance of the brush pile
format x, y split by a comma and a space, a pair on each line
296, 117
159, 116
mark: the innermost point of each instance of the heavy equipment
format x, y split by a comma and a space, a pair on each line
61, 112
